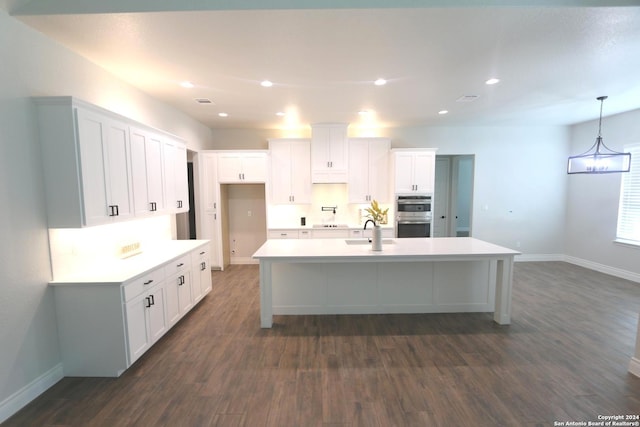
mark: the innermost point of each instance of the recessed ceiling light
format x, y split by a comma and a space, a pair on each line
492, 81
187, 85
223, 114
441, 112
266, 83
203, 101
364, 112
380, 82
280, 114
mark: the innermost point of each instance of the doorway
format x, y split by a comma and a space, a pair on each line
453, 196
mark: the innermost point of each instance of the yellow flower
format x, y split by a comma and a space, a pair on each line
375, 213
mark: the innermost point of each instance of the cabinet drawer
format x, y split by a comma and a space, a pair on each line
138, 286
304, 234
177, 265
283, 234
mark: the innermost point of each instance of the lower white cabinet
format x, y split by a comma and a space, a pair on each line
104, 326
201, 274
179, 293
146, 320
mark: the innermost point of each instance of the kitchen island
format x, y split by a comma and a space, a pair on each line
418, 275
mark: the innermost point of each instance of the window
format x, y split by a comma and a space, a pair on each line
629, 210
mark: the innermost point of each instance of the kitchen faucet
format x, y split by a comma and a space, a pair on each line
365, 226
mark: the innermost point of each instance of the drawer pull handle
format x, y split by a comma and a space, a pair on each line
148, 281
180, 265
202, 253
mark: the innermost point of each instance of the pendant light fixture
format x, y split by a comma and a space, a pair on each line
599, 158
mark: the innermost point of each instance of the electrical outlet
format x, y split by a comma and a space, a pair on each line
248, 213
130, 249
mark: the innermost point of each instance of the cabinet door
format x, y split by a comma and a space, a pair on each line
185, 296
156, 316
290, 171
182, 180
379, 175
329, 154
424, 171
300, 166
138, 337
155, 174
92, 141
254, 167
169, 162
172, 304
359, 171
118, 169
280, 172
229, 167
209, 182
203, 270
404, 173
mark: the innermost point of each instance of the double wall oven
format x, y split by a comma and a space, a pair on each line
413, 215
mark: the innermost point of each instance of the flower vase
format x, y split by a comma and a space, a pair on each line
376, 240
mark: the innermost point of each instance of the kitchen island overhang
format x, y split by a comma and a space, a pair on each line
418, 275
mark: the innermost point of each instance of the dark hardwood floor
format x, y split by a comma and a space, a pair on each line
564, 358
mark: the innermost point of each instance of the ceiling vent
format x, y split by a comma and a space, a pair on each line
203, 101
467, 98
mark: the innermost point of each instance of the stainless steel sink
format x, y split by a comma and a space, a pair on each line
367, 242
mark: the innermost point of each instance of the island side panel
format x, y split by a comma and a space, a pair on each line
266, 304
465, 286
504, 284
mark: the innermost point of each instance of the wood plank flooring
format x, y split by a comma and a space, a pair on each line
564, 358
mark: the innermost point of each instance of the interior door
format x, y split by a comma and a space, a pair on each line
441, 198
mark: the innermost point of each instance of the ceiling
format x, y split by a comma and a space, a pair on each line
552, 62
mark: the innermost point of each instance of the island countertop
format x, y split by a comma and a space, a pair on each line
392, 249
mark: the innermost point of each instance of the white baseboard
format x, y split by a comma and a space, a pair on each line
612, 271
26, 394
243, 260
538, 257
634, 366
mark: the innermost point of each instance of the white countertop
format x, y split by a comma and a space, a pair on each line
400, 249
116, 271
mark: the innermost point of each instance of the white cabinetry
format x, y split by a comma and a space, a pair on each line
104, 326
147, 172
145, 313
414, 171
329, 155
242, 167
290, 171
179, 293
100, 167
283, 234
175, 176
369, 170
208, 217
200, 274
105, 169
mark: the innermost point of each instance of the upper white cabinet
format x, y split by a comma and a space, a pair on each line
290, 171
100, 167
242, 167
329, 154
175, 176
414, 170
369, 170
147, 172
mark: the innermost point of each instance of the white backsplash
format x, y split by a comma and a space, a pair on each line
327, 195
71, 247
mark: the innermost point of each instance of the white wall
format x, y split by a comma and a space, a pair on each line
33, 65
520, 180
592, 200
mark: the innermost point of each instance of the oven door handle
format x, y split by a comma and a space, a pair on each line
419, 221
